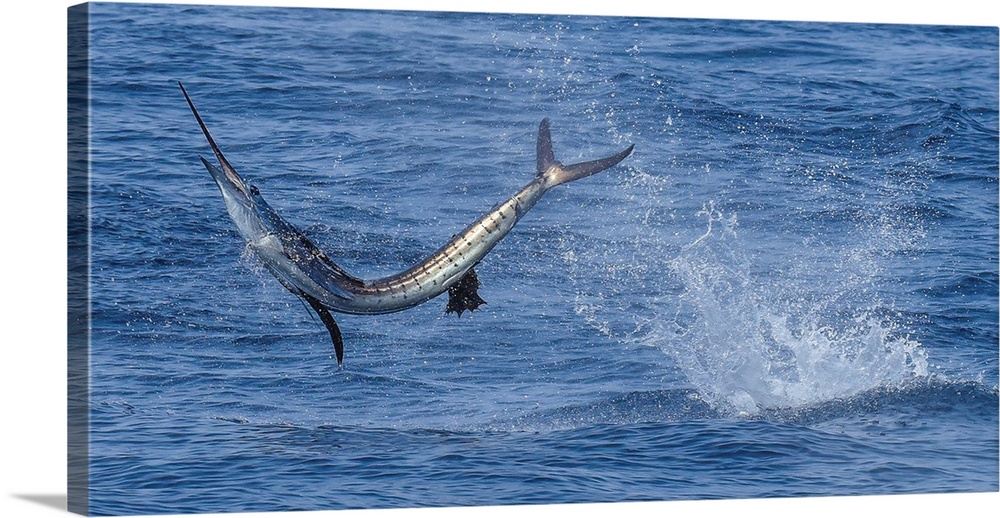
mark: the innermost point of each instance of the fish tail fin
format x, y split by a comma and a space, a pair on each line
554, 173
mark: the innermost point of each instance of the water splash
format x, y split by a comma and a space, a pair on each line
750, 340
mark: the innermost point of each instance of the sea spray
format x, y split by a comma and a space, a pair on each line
749, 341
753, 321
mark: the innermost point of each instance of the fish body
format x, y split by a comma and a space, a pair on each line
306, 271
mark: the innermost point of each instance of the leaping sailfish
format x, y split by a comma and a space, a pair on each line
309, 273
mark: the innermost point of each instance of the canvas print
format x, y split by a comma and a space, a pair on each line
330, 259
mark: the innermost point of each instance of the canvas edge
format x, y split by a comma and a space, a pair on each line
78, 257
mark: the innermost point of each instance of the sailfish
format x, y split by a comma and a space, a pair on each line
309, 273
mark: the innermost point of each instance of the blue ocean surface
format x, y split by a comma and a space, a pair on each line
789, 289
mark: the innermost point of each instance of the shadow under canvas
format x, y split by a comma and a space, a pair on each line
55, 501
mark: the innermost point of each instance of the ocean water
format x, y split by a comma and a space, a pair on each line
789, 289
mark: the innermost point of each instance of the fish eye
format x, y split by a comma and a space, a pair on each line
254, 191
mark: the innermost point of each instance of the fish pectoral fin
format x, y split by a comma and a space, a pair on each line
331, 326
316, 265
463, 295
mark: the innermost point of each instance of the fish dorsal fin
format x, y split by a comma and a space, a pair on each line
464, 296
